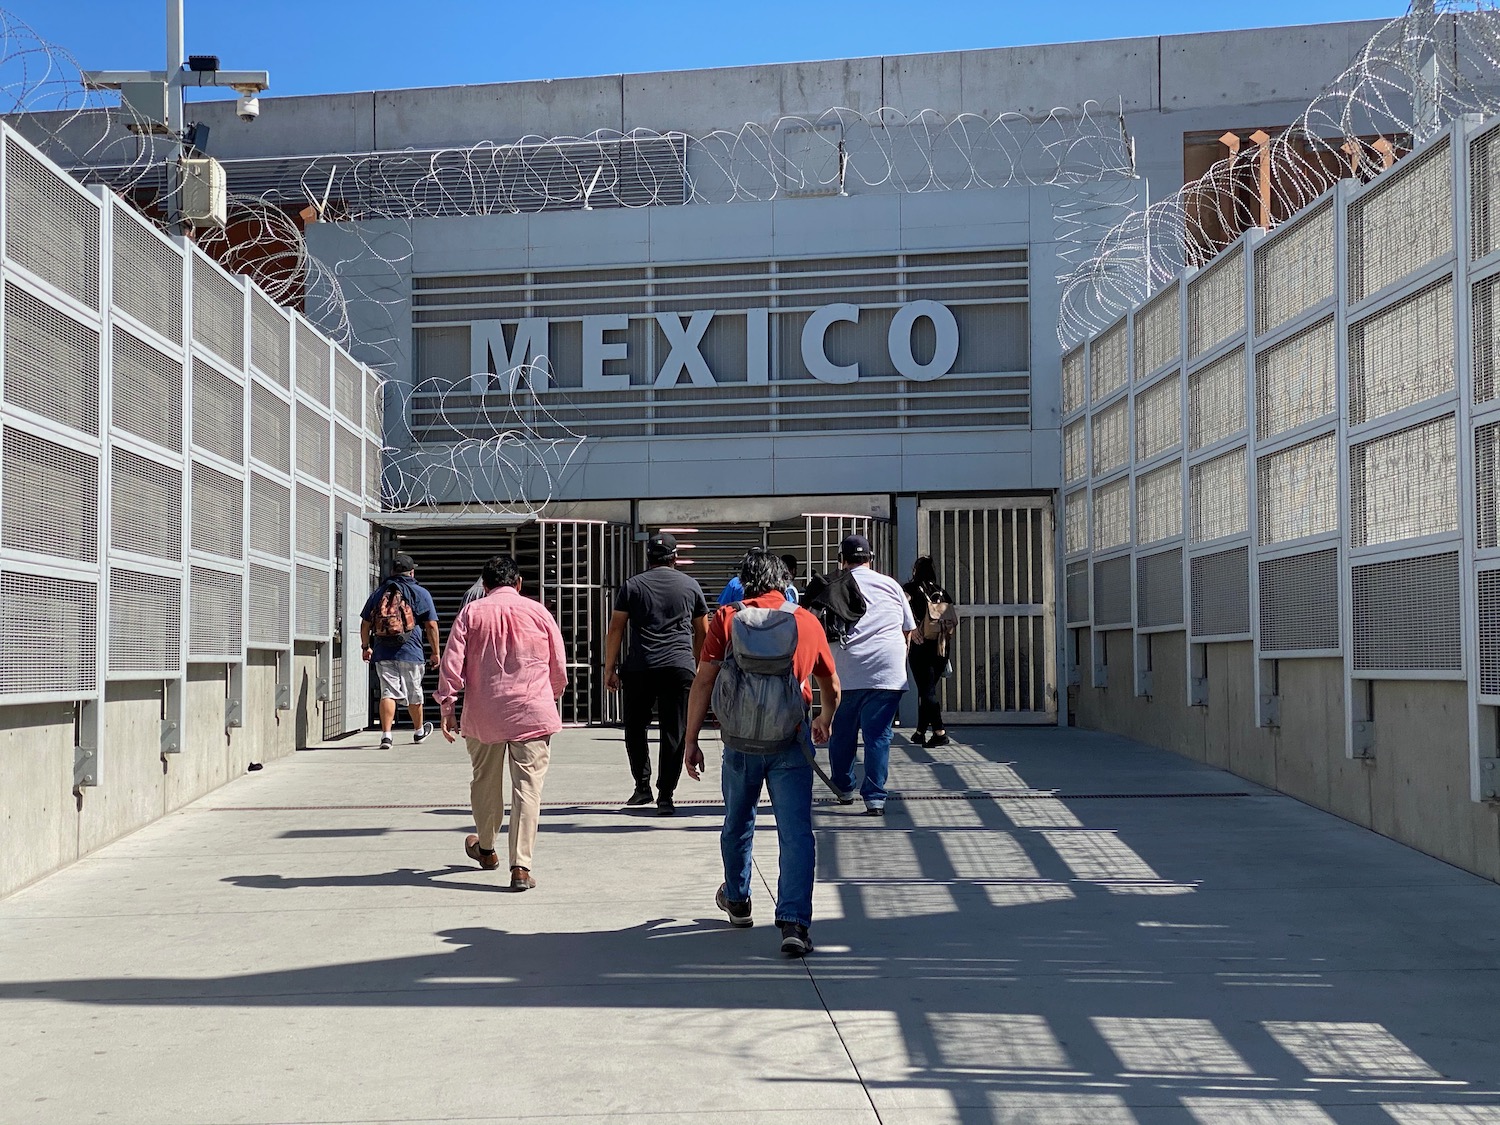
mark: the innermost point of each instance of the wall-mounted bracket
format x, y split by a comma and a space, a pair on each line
88, 733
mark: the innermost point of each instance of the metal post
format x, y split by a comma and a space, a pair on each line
175, 126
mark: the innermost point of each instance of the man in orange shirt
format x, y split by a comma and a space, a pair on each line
786, 773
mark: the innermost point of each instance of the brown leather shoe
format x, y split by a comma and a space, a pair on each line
487, 860
520, 879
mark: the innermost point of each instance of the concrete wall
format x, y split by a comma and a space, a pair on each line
1414, 787
44, 824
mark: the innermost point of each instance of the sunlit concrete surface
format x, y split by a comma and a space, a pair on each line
1048, 926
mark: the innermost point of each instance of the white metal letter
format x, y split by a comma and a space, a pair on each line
943, 354
596, 353
488, 354
814, 350
685, 356
758, 346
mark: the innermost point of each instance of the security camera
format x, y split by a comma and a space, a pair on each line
248, 107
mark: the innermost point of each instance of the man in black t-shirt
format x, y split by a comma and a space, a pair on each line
668, 618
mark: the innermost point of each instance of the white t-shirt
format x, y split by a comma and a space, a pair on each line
875, 655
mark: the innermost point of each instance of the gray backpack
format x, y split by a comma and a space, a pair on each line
757, 698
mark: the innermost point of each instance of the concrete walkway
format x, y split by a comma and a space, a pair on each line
1161, 942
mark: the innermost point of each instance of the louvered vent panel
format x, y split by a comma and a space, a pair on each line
1404, 485
218, 313
1402, 223
1484, 194
375, 403
218, 413
346, 453
312, 365
147, 276
1158, 589
147, 400
1216, 400
1489, 632
146, 506
55, 652
1402, 355
1075, 451
1158, 333
270, 517
1112, 593
270, 428
1219, 494
1077, 579
50, 500
1294, 270
270, 606
145, 623
51, 362
348, 383
218, 513
1220, 591
51, 228
372, 475
1158, 418
1074, 380
1109, 361
1294, 381
312, 602
1158, 504
216, 622
1486, 308
1076, 521
1298, 493
270, 341
1112, 515
1299, 603
312, 444
312, 522
1406, 615
1216, 303
1111, 438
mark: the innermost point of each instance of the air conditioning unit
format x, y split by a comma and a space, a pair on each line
205, 192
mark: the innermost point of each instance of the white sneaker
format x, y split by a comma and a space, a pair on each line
421, 735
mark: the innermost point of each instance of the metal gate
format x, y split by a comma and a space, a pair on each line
711, 553
355, 571
995, 558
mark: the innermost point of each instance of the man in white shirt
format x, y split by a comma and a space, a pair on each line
871, 665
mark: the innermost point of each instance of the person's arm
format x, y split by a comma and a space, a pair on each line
828, 704
365, 651
700, 630
434, 642
612, 644
698, 699
451, 678
557, 660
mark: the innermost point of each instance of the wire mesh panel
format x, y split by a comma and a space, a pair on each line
1294, 381
51, 228
218, 413
1074, 380
1220, 593
146, 398
270, 517
1075, 451
1489, 633
216, 616
56, 650
1404, 485
312, 443
1402, 355
145, 512
146, 275
374, 403
1299, 603
270, 340
1112, 593
348, 383
218, 313
1076, 522
313, 619
1158, 417
312, 522
1112, 515
1486, 314
1294, 269
51, 361
1298, 492
1218, 493
1216, 400
50, 499
270, 428
270, 606
372, 475
1216, 303
312, 364
346, 453
1158, 333
1406, 615
1077, 591
1109, 361
1484, 194
145, 622
1158, 589
218, 525
1402, 223
1158, 504
1111, 438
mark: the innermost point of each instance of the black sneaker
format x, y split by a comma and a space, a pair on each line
918, 738
938, 740
422, 732
874, 810
641, 796
664, 805
385, 741
794, 939
739, 912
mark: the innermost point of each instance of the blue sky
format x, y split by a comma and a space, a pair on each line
320, 46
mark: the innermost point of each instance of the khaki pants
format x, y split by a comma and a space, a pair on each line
528, 766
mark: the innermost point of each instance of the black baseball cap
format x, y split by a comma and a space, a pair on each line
855, 548
403, 564
661, 546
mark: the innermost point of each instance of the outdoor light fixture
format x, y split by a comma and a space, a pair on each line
200, 63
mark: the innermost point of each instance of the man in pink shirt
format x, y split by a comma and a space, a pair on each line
505, 654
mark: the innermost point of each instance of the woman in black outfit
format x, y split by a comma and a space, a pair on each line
928, 656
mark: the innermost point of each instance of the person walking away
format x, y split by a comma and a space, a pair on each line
667, 616
505, 656
392, 624
733, 591
755, 670
872, 669
932, 608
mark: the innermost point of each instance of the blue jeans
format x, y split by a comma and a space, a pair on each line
870, 712
789, 778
